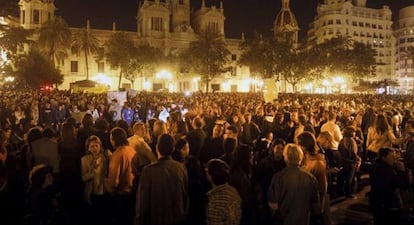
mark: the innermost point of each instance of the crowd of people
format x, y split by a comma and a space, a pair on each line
204, 159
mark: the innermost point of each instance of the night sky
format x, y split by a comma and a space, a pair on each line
241, 15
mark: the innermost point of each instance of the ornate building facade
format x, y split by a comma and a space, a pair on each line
354, 20
404, 32
168, 25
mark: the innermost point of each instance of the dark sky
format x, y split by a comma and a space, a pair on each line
241, 15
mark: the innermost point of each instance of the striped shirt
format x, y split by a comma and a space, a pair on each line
224, 206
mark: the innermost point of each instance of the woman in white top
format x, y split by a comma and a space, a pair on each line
95, 166
380, 135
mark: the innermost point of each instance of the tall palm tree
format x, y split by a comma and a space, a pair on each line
55, 39
84, 41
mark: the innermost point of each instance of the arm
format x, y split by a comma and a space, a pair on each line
273, 194
113, 173
87, 172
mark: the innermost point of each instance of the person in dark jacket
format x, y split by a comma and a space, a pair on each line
196, 137
387, 179
162, 195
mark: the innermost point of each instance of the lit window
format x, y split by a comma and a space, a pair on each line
36, 17
157, 24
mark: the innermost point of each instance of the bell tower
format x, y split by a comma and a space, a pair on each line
180, 14
34, 13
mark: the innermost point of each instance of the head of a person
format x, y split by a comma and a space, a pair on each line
218, 172
34, 134
181, 127
409, 126
87, 120
118, 137
102, 125
309, 127
331, 116
349, 131
165, 145
308, 142
93, 144
232, 132
198, 123
68, 132
182, 148
218, 130
277, 148
159, 128
229, 145
242, 158
139, 129
302, 119
381, 124
248, 117
325, 140
293, 154
388, 155
49, 132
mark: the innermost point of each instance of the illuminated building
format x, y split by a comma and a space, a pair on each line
344, 18
404, 32
168, 25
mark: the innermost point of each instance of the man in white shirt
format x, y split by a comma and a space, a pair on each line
334, 129
144, 152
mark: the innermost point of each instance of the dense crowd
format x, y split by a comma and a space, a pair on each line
215, 159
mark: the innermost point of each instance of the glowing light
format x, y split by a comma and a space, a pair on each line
147, 85
196, 79
308, 86
9, 79
326, 83
187, 94
171, 87
338, 80
102, 78
164, 74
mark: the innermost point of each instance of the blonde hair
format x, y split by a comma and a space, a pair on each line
293, 154
91, 139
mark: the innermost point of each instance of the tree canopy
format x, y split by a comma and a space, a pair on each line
34, 69
120, 50
55, 39
207, 56
84, 41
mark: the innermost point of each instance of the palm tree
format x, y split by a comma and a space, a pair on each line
55, 39
13, 38
84, 41
207, 55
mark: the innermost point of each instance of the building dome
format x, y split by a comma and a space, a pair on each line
286, 26
285, 18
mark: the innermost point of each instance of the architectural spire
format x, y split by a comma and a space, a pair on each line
203, 3
243, 37
285, 4
113, 26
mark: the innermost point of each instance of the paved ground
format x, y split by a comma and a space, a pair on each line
352, 211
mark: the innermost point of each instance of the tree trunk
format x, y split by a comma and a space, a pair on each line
87, 65
120, 79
